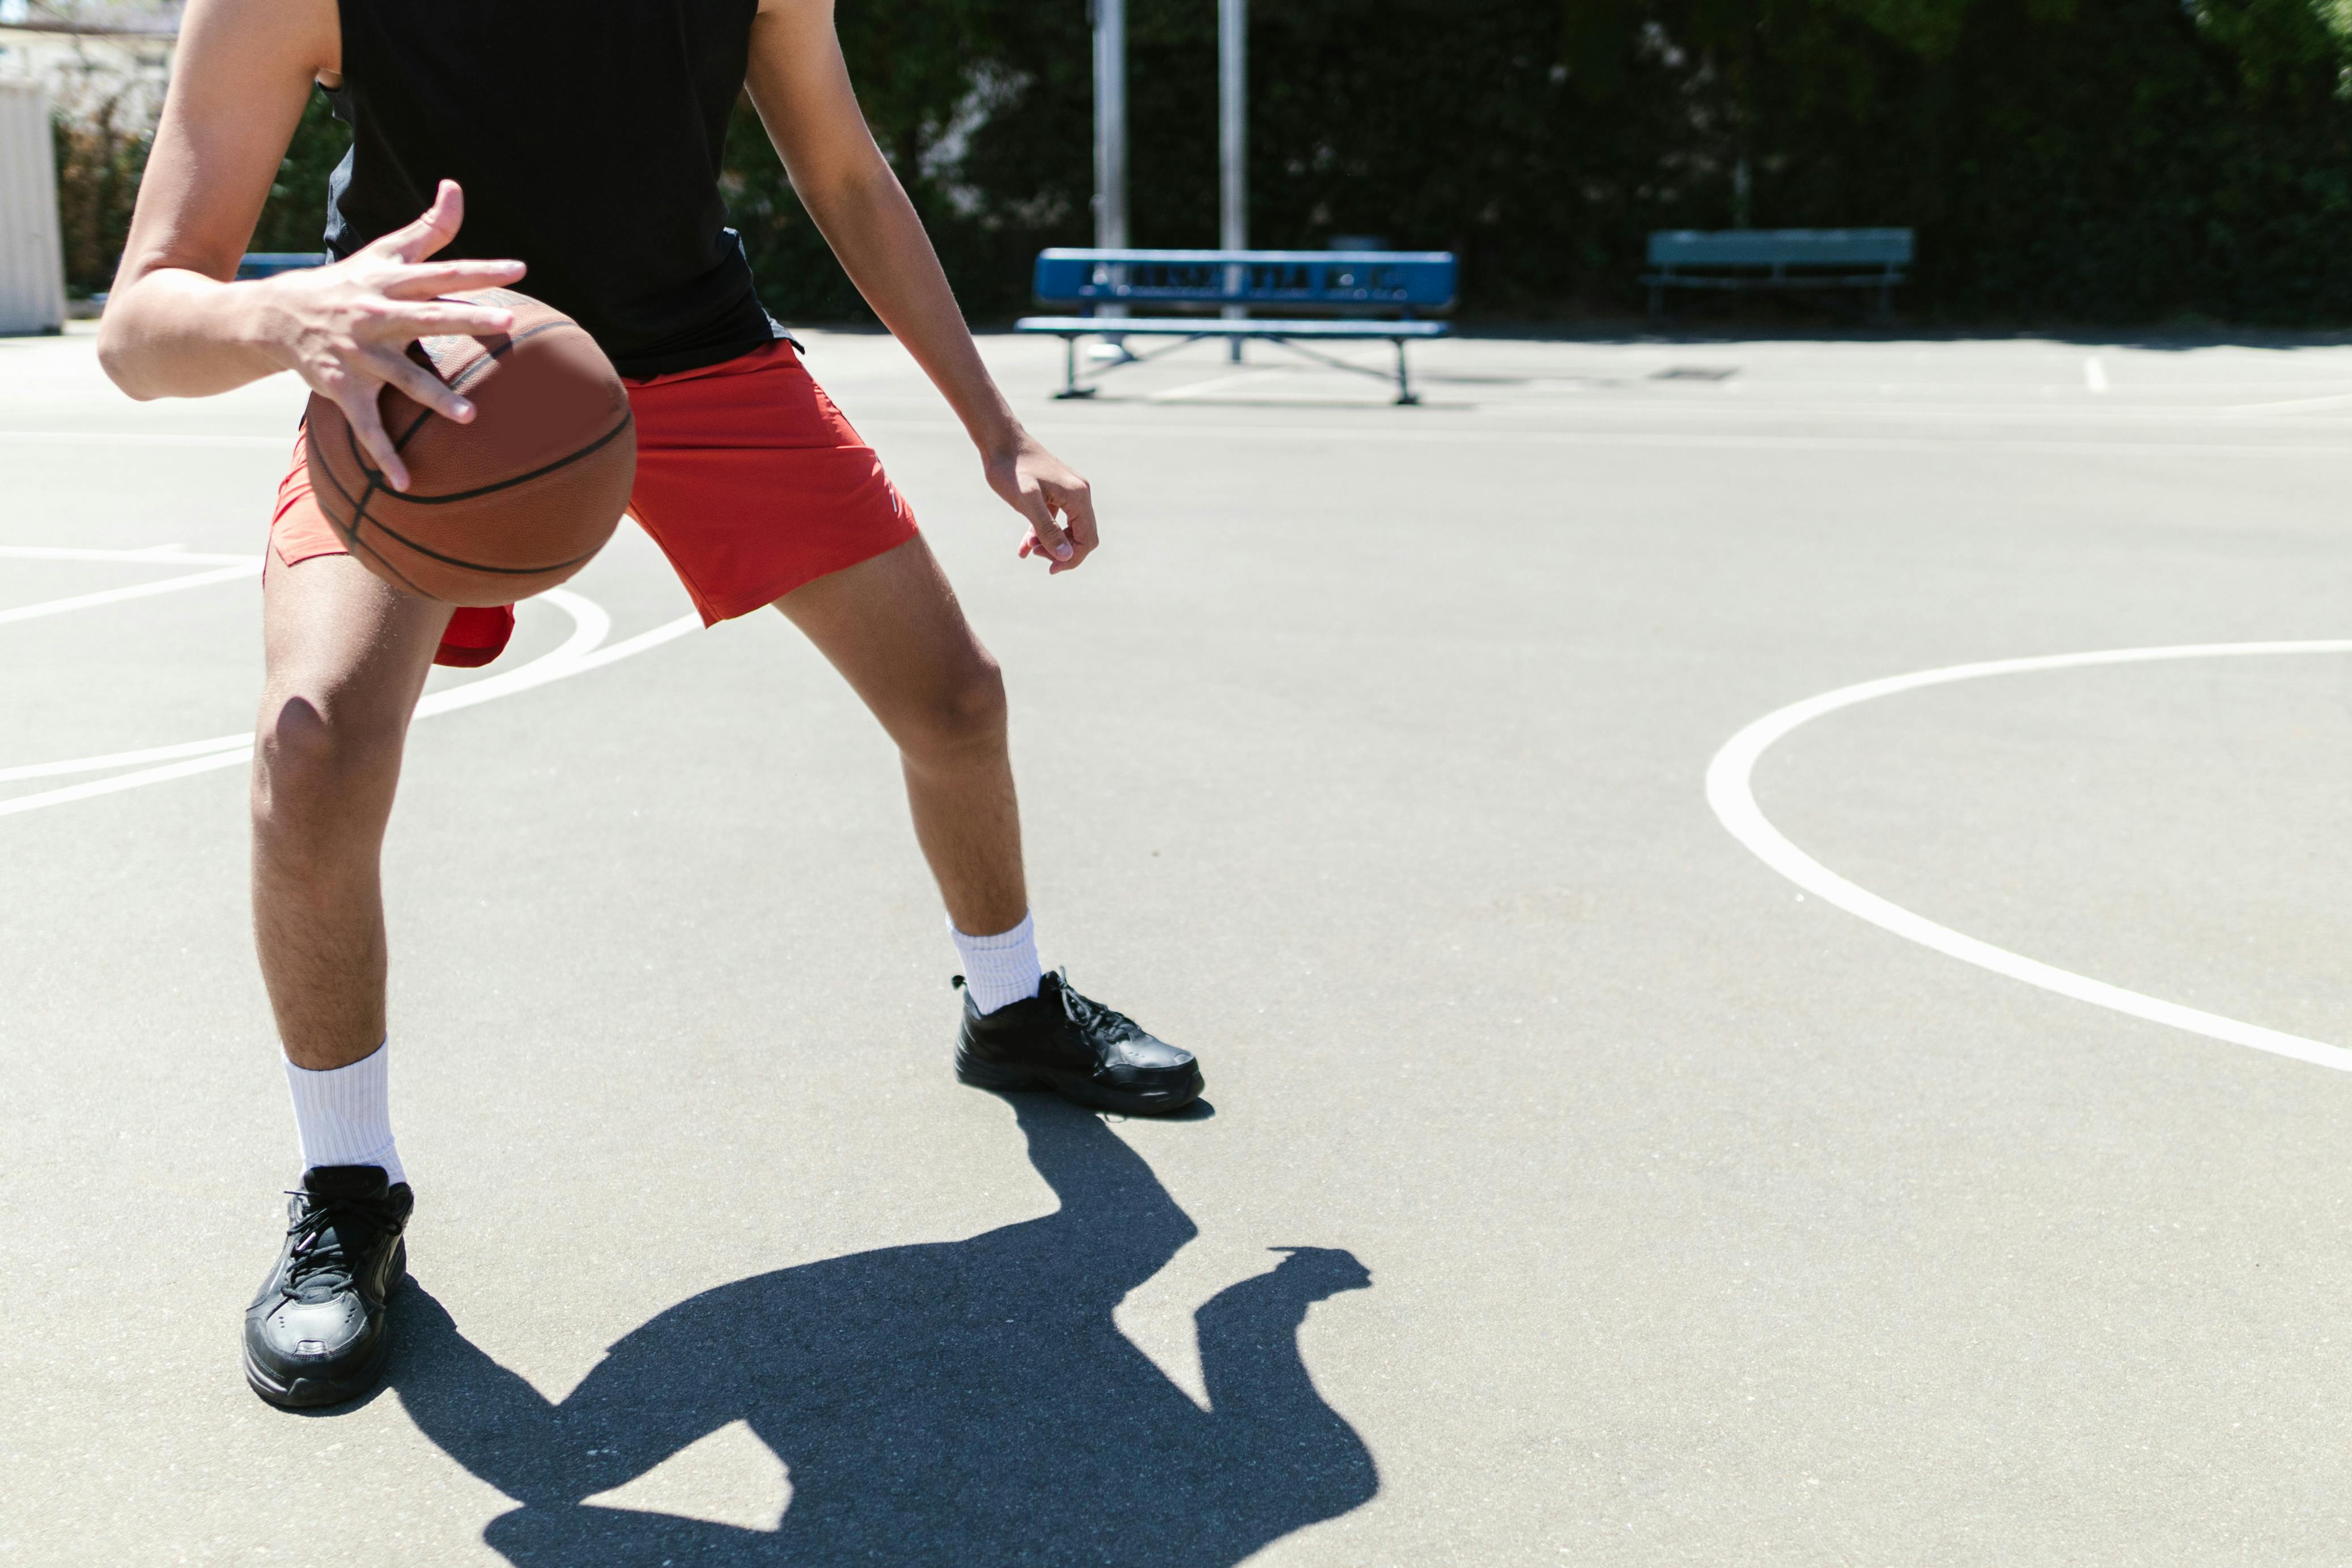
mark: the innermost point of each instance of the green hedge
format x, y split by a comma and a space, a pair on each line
2114, 161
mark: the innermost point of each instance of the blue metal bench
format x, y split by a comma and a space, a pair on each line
1778, 258
1356, 294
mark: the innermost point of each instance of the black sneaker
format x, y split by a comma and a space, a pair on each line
315, 1334
1081, 1049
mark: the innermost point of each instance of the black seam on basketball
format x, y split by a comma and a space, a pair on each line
390, 532
358, 504
375, 475
351, 535
381, 559
352, 541
490, 356
627, 420
400, 443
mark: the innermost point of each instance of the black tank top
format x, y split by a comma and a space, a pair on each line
587, 137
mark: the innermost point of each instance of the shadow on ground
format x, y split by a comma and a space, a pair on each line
963, 1402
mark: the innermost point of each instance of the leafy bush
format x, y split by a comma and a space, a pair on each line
99, 164
2062, 160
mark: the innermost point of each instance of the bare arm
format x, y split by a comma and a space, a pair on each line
800, 87
176, 327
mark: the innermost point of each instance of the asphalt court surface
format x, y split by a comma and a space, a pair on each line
1649, 1210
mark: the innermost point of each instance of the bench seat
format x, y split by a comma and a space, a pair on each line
1213, 327
1872, 259
1348, 285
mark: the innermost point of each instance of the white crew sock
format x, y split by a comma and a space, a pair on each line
344, 1116
1001, 969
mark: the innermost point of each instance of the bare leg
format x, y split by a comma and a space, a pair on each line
347, 661
892, 627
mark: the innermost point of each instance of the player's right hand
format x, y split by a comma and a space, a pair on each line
345, 328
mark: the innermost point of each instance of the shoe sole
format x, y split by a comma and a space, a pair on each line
309, 1392
1078, 1089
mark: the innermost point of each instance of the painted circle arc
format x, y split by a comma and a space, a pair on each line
1730, 791
583, 650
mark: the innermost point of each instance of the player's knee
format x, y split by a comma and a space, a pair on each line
308, 748
965, 713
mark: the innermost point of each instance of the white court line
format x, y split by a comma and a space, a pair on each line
2333, 400
2095, 374
578, 652
250, 566
1730, 791
167, 555
138, 438
114, 760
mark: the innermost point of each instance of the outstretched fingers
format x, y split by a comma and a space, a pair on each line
347, 328
423, 386
435, 279
449, 318
431, 229
407, 246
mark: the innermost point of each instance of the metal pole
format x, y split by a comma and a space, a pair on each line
1232, 143
1110, 130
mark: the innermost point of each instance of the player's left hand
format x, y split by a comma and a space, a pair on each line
1053, 498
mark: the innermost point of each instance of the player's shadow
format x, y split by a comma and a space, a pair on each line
966, 1403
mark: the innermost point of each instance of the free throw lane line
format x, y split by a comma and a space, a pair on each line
166, 555
1730, 790
579, 652
134, 589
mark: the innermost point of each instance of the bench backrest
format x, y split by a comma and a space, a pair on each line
1352, 281
1780, 247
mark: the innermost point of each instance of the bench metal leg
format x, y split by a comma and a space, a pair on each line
1404, 384
1070, 387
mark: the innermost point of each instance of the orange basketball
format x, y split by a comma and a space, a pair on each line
499, 509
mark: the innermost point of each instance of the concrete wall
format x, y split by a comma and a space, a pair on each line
32, 265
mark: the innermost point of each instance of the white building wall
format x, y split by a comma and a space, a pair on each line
32, 261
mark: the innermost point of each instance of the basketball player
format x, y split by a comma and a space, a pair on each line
572, 150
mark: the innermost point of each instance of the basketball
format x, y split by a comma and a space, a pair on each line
504, 507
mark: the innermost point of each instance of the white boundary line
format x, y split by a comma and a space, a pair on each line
138, 438
168, 554
581, 651
249, 566
1730, 791
122, 759
2332, 400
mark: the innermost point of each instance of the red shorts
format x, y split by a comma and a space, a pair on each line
748, 477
